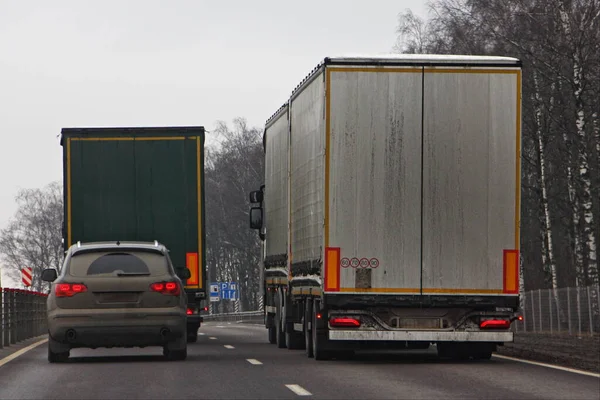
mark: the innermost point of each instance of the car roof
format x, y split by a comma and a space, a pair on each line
108, 246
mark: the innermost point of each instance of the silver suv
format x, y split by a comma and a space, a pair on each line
116, 295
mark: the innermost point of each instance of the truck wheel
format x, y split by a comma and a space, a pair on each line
192, 337
294, 340
279, 334
272, 335
308, 342
318, 351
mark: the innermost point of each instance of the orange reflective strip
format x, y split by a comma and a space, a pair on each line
511, 271
332, 269
192, 265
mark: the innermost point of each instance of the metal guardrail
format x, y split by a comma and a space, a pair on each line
251, 316
22, 315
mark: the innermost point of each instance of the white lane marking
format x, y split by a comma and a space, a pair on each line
201, 333
16, 354
253, 361
299, 390
228, 346
212, 338
575, 371
219, 326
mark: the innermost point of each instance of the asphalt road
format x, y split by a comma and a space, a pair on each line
232, 361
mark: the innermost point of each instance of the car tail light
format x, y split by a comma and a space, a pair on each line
495, 324
205, 308
189, 311
168, 288
344, 322
69, 289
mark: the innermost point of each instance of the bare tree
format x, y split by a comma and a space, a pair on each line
33, 237
233, 169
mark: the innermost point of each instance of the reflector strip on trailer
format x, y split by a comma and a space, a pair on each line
511, 271
192, 264
332, 269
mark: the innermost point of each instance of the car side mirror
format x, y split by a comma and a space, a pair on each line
256, 218
49, 275
256, 196
185, 274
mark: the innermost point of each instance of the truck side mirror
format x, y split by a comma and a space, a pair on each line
49, 275
256, 196
256, 218
185, 274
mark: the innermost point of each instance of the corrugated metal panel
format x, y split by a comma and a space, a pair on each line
307, 185
375, 177
469, 178
117, 190
276, 185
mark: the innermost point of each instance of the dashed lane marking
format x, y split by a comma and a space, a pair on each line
228, 346
24, 350
299, 390
253, 361
212, 338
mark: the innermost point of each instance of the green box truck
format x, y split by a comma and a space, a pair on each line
140, 184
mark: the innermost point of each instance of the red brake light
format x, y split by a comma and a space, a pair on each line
495, 324
69, 290
520, 318
168, 288
205, 308
189, 311
344, 322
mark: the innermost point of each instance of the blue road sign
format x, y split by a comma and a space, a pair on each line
224, 290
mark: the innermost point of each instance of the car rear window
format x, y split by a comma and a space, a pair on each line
108, 263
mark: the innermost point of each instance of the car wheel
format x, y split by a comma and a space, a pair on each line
175, 355
54, 357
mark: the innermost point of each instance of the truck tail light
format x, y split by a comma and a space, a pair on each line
189, 311
167, 288
495, 324
344, 322
69, 289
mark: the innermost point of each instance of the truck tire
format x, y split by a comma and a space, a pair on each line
308, 342
279, 334
318, 340
272, 335
294, 340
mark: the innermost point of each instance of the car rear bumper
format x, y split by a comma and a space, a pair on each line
116, 328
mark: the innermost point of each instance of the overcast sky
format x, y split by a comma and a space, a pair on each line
160, 63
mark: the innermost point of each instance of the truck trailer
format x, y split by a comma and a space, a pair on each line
140, 184
389, 215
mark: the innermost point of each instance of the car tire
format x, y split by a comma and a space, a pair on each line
175, 355
176, 350
54, 357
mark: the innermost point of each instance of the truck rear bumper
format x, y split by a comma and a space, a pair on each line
427, 336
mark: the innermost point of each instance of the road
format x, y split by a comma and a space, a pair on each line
234, 361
